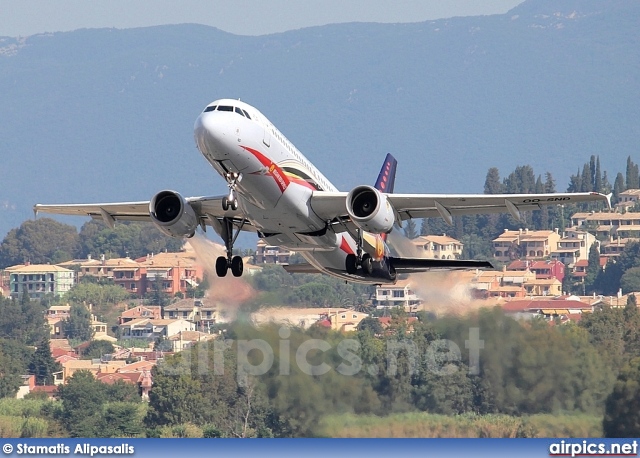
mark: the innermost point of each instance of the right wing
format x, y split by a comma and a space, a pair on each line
208, 209
331, 206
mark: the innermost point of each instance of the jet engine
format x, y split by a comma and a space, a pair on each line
173, 215
370, 210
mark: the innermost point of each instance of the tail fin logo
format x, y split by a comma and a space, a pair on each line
387, 176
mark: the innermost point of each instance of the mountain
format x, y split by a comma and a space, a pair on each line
107, 114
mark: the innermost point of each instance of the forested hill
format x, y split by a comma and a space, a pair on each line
106, 114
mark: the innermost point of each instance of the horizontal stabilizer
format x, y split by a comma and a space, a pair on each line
411, 265
302, 268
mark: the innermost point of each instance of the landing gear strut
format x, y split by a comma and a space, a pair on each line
354, 261
234, 262
230, 201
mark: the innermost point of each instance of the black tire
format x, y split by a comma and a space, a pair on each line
225, 204
234, 204
367, 264
351, 264
237, 266
221, 266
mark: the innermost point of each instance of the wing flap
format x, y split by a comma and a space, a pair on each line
413, 265
302, 268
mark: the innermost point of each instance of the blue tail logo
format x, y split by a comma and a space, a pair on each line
387, 177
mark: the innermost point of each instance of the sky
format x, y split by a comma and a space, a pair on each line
242, 17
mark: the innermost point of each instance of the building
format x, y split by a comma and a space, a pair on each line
39, 279
101, 269
613, 247
525, 244
438, 247
271, 254
609, 224
398, 295
573, 246
628, 198
344, 320
541, 269
169, 272
151, 330
202, 312
142, 311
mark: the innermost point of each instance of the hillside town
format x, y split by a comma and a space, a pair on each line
535, 268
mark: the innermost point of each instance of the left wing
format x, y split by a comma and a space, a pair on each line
208, 209
331, 206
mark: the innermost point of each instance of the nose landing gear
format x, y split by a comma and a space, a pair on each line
230, 201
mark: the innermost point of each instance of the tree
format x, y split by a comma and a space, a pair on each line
593, 268
97, 348
622, 412
12, 357
371, 325
96, 294
633, 179
131, 239
78, 325
410, 230
618, 187
630, 281
42, 364
41, 241
82, 400
492, 183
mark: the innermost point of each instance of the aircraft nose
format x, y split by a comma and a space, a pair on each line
211, 133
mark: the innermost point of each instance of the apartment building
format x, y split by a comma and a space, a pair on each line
609, 224
525, 244
398, 295
438, 247
39, 279
573, 246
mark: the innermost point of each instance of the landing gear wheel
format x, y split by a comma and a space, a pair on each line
225, 204
234, 204
367, 264
222, 266
236, 266
351, 264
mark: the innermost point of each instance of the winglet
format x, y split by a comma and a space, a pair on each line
387, 176
609, 199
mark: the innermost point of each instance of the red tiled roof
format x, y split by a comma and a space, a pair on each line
49, 389
527, 304
128, 377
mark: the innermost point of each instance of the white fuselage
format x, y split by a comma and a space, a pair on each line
277, 183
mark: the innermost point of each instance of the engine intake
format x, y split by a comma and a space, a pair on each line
370, 210
173, 215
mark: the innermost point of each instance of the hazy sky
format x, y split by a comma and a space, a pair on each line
244, 17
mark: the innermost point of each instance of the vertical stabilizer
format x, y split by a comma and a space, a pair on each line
387, 177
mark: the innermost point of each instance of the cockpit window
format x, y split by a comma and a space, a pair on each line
224, 108
239, 111
246, 114
211, 108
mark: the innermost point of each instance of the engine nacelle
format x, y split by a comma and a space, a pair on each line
172, 214
370, 210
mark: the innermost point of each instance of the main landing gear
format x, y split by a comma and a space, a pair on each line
354, 261
230, 201
234, 262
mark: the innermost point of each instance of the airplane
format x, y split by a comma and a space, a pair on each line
275, 191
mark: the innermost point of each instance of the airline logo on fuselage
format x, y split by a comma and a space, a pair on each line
276, 172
